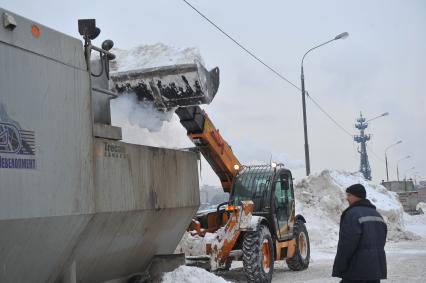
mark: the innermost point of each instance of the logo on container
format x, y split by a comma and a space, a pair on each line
17, 146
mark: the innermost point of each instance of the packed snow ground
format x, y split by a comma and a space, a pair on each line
405, 261
416, 224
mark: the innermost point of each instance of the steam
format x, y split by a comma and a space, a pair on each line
142, 123
140, 113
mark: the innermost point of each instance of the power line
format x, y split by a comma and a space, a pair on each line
375, 154
329, 116
268, 67
241, 46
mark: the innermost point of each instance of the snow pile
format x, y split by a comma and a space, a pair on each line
321, 199
154, 55
421, 205
416, 224
186, 274
192, 245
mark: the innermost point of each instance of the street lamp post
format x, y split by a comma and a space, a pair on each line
406, 171
302, 78
415, 175
386, 158
381, 115
405, 177
397, 168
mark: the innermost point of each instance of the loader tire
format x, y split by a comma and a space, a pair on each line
258, 255
302, 252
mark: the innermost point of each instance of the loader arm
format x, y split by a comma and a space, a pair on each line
209, 142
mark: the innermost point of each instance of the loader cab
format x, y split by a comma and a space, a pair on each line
271, 191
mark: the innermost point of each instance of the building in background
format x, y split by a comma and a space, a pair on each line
408, 194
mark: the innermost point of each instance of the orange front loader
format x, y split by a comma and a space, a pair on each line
258, 224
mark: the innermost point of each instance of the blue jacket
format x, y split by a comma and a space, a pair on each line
361, 248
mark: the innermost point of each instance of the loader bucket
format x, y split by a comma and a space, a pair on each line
170, 86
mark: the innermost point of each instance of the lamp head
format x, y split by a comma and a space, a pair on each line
107, 44
343, 35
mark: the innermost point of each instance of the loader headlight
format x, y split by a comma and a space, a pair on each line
230, 208
236, 167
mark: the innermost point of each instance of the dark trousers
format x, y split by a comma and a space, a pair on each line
359, 281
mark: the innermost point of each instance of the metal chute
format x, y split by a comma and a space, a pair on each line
170, 86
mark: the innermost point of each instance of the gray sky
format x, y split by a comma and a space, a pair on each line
379, 68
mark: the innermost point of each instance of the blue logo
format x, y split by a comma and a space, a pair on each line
15, 141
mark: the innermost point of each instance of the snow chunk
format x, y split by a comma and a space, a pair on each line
192, 245
187, 274
153, 55
195, 245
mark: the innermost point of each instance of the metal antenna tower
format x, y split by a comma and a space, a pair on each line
362, 138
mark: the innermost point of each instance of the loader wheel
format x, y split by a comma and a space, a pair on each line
258, 255
302, 253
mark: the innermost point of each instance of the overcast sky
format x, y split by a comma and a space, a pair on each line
379, 68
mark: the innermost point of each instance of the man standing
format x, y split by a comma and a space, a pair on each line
360, 253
